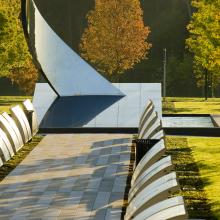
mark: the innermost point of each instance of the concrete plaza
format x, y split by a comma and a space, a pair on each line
69, 176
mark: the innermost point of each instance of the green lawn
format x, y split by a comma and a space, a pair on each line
206, 152
191, 106
197, 163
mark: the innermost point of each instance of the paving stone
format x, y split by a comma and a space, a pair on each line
106, 184
101, 200
68, 184
75, 198
113, 214
99, 214
69, 176
111, 170
95, 152
125, 157
116, 149
99, 171
114, 158
81, 159
51, 214
41, 186
88, 198
102, 160
94, 183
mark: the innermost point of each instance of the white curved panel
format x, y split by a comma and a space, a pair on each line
154, 172
159, 135
69, 74
173, 213
10, 133
152, 156
162, 206
146, 114
22, 123
28, 106
4, 150
157, 126
152, 194
146, 125
7, 144
16, 130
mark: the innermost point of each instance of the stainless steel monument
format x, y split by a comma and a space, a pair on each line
75, 95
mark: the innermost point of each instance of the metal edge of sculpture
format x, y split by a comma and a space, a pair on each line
82, 93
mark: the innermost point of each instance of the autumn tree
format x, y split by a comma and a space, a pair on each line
204, 42
15, 59
116, 37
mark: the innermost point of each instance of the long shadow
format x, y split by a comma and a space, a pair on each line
192, 185
33, 198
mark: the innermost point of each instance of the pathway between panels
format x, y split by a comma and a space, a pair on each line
69, 176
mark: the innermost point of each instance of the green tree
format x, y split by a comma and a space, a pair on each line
179, 71
116, 38
204, 41
14, 54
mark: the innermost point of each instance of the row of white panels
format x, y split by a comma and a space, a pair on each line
153, 180
16, 129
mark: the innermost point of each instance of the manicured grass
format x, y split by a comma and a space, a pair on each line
197, 162
191, 106
19, 157
7, 101
206, 152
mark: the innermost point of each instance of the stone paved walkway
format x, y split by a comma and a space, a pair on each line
69, 176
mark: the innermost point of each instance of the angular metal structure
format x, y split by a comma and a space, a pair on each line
76, 84
76, 95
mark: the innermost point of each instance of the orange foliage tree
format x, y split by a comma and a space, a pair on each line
15, 60
116, 37
25, 76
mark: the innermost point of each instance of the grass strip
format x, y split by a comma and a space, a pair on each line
191, 182
191, 106
206, 152
19, 157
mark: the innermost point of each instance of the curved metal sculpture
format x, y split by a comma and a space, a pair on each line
80, 92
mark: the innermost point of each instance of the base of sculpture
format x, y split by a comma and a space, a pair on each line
95, 111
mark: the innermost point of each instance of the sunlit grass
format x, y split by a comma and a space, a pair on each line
191, 106
206, 152
197, 163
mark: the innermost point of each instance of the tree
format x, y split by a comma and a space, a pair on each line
14, 54
204, 42
179, 71
25, 77
115, 39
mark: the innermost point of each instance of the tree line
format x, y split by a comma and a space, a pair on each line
124, 41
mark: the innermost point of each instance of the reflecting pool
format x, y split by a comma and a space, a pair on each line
187, 122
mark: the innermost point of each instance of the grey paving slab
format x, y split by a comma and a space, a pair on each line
69, 176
